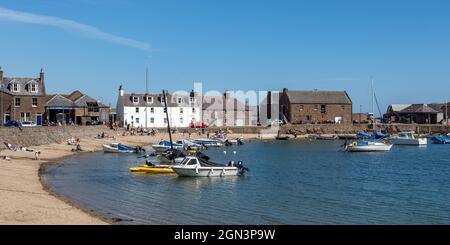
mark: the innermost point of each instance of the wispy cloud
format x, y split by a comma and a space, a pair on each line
87, 30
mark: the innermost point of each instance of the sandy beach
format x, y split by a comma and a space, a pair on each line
25, 200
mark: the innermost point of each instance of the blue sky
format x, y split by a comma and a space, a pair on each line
95, 45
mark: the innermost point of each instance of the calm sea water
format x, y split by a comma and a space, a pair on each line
295, 182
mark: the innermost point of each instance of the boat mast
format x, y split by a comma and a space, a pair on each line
374, 122
146, 98
168, 122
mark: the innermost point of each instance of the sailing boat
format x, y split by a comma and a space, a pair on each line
372, 145
149, 167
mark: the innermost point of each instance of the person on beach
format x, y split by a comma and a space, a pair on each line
37, 155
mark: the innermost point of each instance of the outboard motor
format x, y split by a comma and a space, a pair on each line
241, 167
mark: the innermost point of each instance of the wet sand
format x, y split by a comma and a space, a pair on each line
24, 196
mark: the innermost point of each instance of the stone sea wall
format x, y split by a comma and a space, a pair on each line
47, 135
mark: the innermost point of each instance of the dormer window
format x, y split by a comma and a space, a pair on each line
33, 87
16, 87
149, 100
135, 99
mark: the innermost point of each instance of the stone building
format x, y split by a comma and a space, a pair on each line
22, 98
225, 110
316, 107
75, 108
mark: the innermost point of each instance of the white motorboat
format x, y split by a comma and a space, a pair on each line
165, 145
208, 142
187, 144
368, 146
408, 138
193, 166
118, 148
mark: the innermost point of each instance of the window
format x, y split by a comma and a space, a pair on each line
181, 110
192, 99
17, 102
181, 120
193, 110
308, 117
33, 87
152, 120
34, 102
92, 106
165, 120
302, 107
137, 120
152, 110
162, 99
135, 99
323, 109
149, 100
16, 87
165, 110
137, 109
192, 162
24, 116
316, 107
179, 100
342, 107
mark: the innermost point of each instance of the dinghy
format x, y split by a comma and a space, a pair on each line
440, 139
407, 138
119, 148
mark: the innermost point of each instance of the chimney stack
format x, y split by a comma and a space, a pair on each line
41, 76
120, 90
1, 74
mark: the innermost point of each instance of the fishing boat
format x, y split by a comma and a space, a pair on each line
440, 139
407, 138
368, 146
208, 142
165, 145
158, 169
119, 148
193, 166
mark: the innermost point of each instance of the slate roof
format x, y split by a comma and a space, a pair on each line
418, 108
398, 107
127, 100
63, 100
24, 83
318, 97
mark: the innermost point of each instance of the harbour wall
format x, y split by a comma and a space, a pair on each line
49, 135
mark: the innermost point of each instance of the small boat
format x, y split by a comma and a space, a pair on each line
208, 142
193, 166
325, 137
408, 138
440, 139
158, 169
282, 137
189, 144
347, 136
165, 145
368, 146
119, 148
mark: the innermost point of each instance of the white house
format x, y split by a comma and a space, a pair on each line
147, 110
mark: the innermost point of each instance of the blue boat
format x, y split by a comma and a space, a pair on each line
440, 139
375, 135
165, 145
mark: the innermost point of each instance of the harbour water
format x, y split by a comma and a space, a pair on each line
292, 182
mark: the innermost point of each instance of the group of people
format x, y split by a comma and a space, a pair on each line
37, 154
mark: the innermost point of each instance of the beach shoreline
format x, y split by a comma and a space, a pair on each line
26, 197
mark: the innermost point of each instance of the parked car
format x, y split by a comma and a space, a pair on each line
12, 123
28, 124
198, 125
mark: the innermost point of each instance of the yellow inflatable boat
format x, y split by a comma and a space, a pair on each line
160, 169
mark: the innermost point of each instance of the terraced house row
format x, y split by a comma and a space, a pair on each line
25, 99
